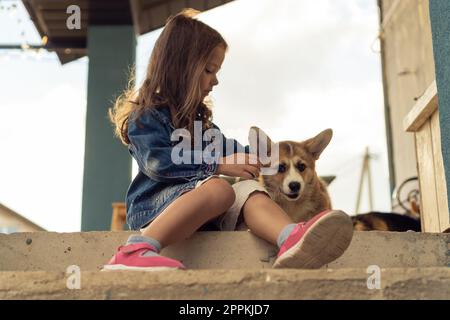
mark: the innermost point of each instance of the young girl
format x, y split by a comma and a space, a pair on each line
169, 201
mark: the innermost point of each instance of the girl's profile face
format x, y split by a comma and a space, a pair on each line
208, 78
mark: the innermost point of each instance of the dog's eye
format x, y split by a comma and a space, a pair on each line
301, 167
281, 168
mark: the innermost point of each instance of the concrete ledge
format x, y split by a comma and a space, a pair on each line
428, 283
50, 251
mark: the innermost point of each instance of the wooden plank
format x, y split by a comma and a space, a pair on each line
71, 51
150, 4
66, 34
197, 5
91, 4
209, 4
40, 19
119, 216
62, 25
429, 210
441, 186
389, 13
425, 106
58, 3
177, 5
409, 70
158, 15
52, 17
135, 6
386, 5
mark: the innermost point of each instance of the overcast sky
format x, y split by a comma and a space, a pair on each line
293, 68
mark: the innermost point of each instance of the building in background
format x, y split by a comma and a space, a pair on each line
414, 37
11, 221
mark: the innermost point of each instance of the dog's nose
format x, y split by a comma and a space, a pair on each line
294, 186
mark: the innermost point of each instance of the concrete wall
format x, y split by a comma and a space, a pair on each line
52, 251
223, 265
349, 284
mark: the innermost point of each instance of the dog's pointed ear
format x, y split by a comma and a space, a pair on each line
317, 144
255, 135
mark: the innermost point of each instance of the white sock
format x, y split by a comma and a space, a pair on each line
141, 239
284, 234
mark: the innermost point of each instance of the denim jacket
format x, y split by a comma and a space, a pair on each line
160, 180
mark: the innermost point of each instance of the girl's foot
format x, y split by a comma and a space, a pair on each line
317, 242
141, 257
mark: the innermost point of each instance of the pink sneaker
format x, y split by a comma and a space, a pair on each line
317, 242
130, 257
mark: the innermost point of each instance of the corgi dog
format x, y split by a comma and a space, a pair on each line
295, 186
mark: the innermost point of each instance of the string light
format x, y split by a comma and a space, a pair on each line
16, 13
38, 54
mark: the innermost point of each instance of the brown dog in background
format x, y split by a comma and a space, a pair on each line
385, 221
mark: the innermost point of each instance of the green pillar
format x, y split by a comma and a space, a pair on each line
440, 25
107, 163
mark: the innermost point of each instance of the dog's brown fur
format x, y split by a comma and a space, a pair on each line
385, 221
313, 196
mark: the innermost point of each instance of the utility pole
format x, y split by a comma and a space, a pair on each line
365, 170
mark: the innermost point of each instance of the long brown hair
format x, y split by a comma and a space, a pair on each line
173, 75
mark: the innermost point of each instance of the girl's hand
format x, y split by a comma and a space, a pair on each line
230, 166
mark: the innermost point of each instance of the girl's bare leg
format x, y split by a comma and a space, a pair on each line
264, 217
190, 211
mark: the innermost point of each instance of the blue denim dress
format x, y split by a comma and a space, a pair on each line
159, 180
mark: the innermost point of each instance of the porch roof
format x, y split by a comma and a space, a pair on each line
50, 16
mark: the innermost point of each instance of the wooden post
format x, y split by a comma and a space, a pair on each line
365, 169
119, 216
